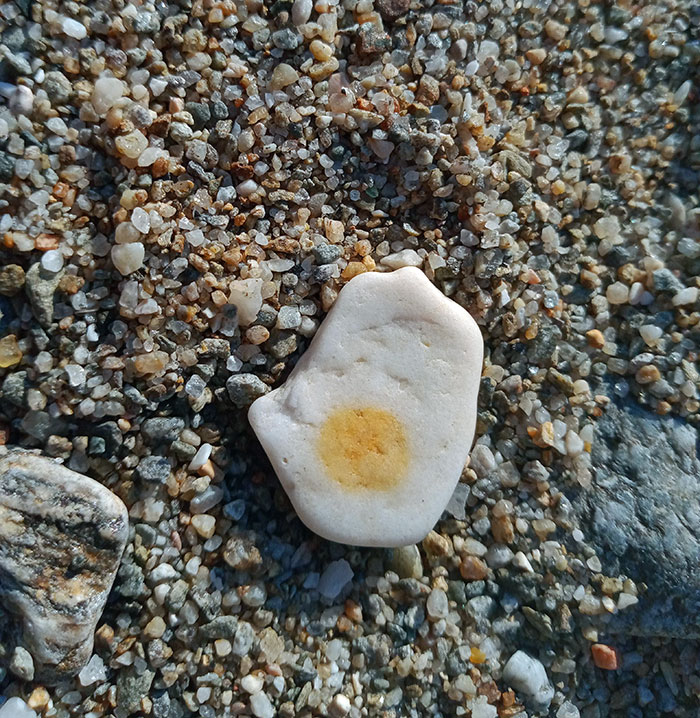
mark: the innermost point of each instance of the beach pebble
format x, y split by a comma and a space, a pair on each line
105, 94
528, 677
61, 538
384, 396
16, 708
128, 258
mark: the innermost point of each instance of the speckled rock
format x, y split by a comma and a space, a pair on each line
61, 539
643, 518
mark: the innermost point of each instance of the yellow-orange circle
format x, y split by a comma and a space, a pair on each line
364, 448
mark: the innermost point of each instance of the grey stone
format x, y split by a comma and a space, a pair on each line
288, 317
286, 39
132, 688
666, 281
7, 167
58, 87
61, 540
244, 389
327, 253
154, 468
22, 664
14, 388
40, 287
146, 22
200, 113
221, 627
642, 515
162, 429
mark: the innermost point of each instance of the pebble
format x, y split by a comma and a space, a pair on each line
404, 258
73, 28
368, 394
107, 91
528, 677
437, 605
76, 529
22, 664
128, 258
16, 708
334, 579
407, 561
605, 657
260, 706
395, 139
339, 707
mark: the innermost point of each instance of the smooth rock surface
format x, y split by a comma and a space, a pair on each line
527, 676
642, 516
61, 539
372, 429
16, 708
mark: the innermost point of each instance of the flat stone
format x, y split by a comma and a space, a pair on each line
384, 397
61, 539
641, 515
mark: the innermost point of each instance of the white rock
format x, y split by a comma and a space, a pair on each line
73, 28
521, 561
252, 683
404, 258
340, 706
21, 100
93, 672
247, 298
52, 261
301, 11
384, 397
688, 295
16, 708
528, 677
261, 706
105, 94
127, 258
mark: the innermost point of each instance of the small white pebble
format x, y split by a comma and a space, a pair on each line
617, 293
340, 706
252, 683
52, 261
128, 258
73, 28
404, 258
521, 561
650, 333
686, 296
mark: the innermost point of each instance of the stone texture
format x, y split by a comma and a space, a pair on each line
371, 431
642, 515
61, 538
40, 288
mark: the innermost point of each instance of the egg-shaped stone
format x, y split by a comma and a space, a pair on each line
371, 431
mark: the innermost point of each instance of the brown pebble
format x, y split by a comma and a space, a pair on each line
502, 529
473, 568
595, 338
647, 374
437, 545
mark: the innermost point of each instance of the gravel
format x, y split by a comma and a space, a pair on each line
183, 193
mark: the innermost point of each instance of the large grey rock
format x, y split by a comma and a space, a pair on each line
61, 539
642, 514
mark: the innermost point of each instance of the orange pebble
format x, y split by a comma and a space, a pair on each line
605, 657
